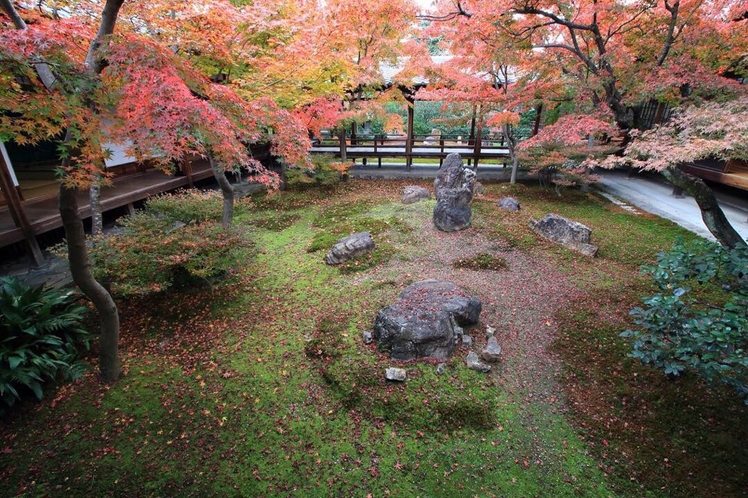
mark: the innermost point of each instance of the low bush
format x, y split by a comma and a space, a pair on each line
176, 241
154, 253
40, 333
698, 320
327, 171
482, 261
188, 206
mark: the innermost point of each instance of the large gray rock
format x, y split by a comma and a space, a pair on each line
453, 188
424, 320
350, 247
415, 193
568, 233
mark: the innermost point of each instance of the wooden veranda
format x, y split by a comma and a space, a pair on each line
412, 147
24, 220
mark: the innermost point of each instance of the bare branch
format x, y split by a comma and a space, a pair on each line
447, 17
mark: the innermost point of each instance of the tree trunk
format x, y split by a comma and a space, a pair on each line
80, 268
226, 189
538, 117
712, 214
94, 196
341, 138
110, 365
511, 145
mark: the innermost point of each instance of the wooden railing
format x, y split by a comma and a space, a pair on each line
437, 147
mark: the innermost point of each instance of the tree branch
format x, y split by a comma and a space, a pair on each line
447, 17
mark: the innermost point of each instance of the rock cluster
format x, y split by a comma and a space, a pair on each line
425, 320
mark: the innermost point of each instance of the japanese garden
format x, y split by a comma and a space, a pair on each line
338, 248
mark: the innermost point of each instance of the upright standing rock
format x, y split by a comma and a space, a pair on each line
453, 189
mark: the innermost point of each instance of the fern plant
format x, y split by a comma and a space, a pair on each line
40, 333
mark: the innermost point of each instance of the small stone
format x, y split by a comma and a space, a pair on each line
492, 353
509, 203
474, 363
396, 374
467, 340
366, 335
490, 331
459, 331
415, 193
441, 368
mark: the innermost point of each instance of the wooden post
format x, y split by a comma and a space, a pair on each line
343, 152
478, 140
187, 170
16, 208
409, 138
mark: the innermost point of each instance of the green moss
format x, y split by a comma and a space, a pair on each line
262, 386
482, 261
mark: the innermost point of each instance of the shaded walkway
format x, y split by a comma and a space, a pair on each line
44, 216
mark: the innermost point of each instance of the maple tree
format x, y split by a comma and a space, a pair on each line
713, 130
613, 54
64, 72
63, 97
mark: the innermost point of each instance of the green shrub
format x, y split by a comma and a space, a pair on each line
699, 319
40, 332
327, 171
188, 206
154, 253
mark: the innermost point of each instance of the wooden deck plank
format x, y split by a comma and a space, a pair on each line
738, 179
44, 216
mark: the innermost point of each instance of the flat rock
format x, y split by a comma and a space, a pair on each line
415, 193
475, 363
423, 321
350, 247
570, 234
509, 203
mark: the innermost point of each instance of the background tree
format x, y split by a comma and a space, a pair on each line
618, 54
713, 130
